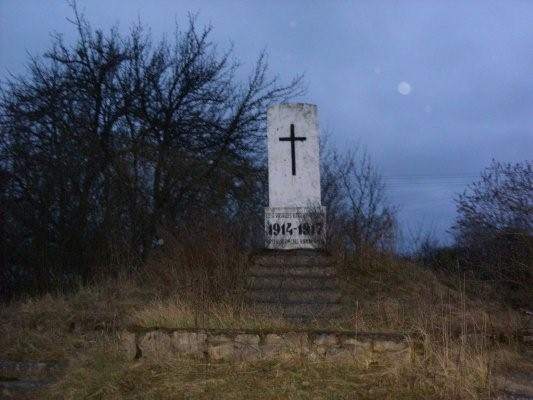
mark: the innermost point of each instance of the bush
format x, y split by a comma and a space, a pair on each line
494, 229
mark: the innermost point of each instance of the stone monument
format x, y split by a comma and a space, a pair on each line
294, 278
295, 218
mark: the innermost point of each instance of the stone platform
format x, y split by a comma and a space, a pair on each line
238, 345
294, 284
26, 379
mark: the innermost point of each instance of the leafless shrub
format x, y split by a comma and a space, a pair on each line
494, 228
105, 140
203, 260
354, 194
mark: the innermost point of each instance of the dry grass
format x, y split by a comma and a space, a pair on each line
459, 352
53, 327
451, 373
177, 313
184, 378
198, 270
384, 293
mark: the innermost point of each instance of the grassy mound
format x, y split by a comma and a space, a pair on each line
464, 340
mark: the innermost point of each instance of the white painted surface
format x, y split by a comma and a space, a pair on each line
286, 189
295, 218
295, 227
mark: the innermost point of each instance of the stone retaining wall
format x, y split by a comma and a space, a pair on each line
247, 345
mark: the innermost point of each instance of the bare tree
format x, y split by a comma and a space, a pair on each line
501, 202
494, 224
353, 191
106, 140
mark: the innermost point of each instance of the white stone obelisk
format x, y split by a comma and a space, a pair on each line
295, 218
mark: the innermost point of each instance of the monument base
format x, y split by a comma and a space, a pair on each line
288, 228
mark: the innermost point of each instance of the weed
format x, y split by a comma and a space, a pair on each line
458, 348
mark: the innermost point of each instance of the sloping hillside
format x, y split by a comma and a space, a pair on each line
468, 348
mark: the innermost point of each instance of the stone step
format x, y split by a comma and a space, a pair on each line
301, 310
292, 296
26, 379
276, 282
292, 271
525, 335
22, 389
294, 284
28, 370
293, 259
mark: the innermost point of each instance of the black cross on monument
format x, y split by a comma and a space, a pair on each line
292, 139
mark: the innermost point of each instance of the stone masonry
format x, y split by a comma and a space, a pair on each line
295, 284
249, 345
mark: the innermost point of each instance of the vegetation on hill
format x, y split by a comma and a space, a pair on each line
132, 181
108, 140
465, 341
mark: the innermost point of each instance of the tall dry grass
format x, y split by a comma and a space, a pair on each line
459, 337
199, 263
55, 326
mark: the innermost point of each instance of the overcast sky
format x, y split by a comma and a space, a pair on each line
433, 89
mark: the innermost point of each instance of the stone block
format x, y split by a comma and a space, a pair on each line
325, 344
387, 351
389, 346
237, 346
27, 371
326, 340
356, 343
272, 346
339, 354
360, 350
155, 345
296, 343
221, 347
294, 219
247, 347
128, 344
189, 343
